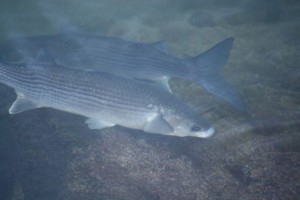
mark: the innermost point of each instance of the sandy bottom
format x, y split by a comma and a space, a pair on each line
46, 154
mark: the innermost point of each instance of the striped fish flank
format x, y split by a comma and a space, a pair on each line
133, 60
105, 99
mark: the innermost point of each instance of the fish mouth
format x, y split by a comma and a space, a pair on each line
201, 134
205, 134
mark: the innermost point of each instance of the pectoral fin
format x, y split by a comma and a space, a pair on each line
164, 84
158, 125
21, 104
98, 124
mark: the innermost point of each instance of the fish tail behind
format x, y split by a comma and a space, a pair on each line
206, 70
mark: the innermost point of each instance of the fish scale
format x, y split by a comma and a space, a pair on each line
99, 82
105, 99
133, 60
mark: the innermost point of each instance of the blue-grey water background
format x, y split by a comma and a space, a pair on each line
48, 154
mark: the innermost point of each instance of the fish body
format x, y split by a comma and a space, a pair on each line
133, 60
105, 99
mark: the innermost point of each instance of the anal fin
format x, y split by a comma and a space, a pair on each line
21, 104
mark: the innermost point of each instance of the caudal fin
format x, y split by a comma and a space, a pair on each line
206, 71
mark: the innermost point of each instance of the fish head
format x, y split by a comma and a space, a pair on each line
189, 124
193, 128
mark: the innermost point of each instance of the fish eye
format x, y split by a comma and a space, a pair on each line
195, 129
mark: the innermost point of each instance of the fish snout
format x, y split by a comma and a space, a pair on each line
206, 133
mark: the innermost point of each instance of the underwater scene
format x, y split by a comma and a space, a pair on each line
149, 99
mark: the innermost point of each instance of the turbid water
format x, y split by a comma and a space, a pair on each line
48, 154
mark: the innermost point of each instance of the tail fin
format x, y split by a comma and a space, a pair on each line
206, 71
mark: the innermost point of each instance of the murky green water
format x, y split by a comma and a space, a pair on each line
47, 154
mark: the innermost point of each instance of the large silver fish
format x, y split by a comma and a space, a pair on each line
105, 99
132, 60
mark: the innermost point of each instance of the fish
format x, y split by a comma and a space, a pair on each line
104, 99
140, 61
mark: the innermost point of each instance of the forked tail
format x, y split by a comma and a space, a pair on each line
206, 71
